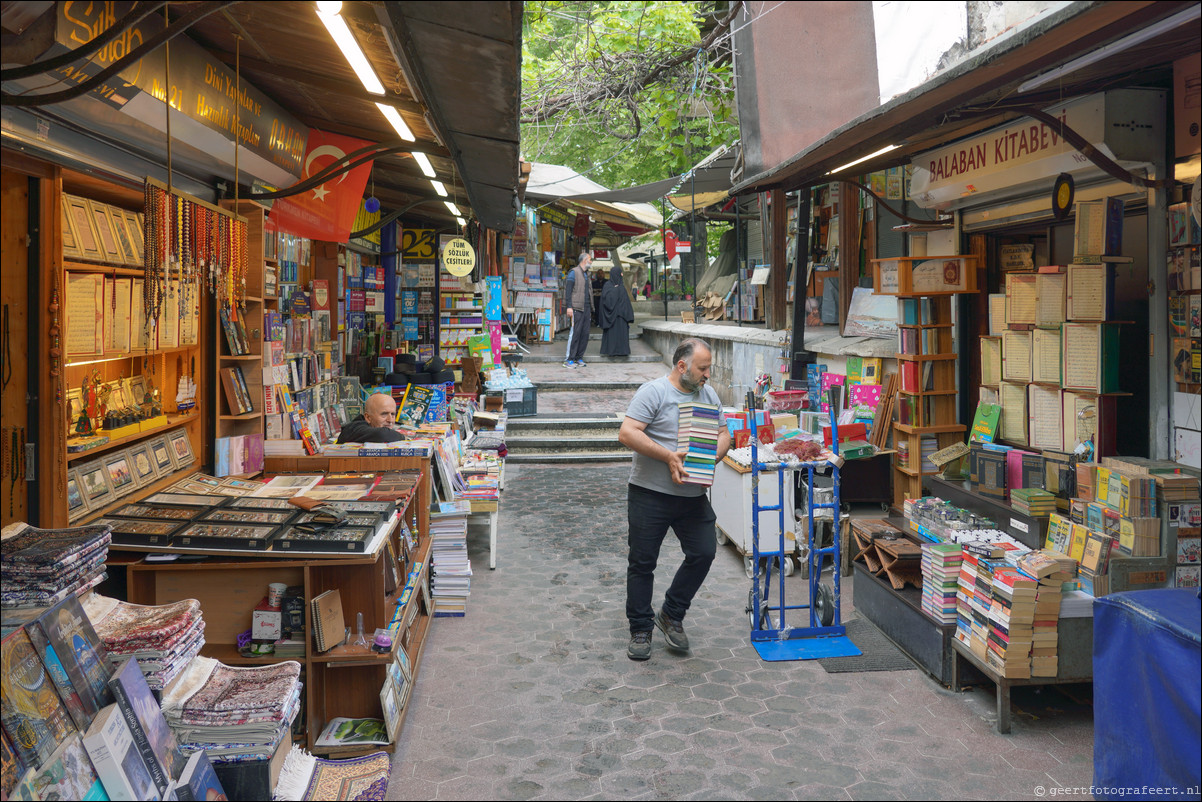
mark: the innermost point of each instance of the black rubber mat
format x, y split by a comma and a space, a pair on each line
879, 653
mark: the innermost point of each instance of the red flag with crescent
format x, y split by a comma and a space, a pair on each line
327, 211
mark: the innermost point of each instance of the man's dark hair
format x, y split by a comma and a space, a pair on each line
687, 347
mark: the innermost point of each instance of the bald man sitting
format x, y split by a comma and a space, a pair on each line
375, 424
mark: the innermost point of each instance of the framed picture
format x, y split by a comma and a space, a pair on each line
142, 464
77, 504
160, 455
74, 408
120, 474
181, 448
70, 240
133, 227
110, 249
124, 239
94, 481
87, 238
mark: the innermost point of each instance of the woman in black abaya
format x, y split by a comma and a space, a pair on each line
616, 315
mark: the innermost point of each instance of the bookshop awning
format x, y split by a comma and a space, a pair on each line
564, 186
710, 179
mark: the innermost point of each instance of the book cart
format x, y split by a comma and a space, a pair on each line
345, 680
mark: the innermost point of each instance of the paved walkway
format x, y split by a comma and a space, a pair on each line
531, 696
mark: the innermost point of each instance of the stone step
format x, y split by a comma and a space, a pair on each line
586, 385
564, 430
614, 360
568, 458
553, 443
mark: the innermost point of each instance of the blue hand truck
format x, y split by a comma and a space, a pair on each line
825, 636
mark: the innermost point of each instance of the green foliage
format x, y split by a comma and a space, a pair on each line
620, 91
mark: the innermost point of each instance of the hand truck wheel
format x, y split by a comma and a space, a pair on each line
824, 605
765, 622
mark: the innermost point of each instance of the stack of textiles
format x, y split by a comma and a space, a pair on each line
163, 638
233, 714
41, 567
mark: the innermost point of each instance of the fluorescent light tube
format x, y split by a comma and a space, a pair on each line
454, 209
423, 162
862, 159
439, 188
394, 117
345, 40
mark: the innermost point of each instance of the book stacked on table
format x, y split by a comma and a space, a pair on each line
41, 567
1050, 570
1012, 618
940, 580
451, 569
698, 436
233, 714
164, 638
1033, 501
965, 592
982, 603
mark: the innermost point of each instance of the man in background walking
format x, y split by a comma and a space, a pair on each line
578, 290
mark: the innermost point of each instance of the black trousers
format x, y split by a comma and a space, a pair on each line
650, 515
578, 341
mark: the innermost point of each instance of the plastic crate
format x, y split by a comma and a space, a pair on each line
787, 400
527, 406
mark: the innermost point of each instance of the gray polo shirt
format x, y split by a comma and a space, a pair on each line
657, 404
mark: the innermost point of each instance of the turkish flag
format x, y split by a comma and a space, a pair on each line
670, 243
326, 212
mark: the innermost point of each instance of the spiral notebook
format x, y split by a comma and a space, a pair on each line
329, 627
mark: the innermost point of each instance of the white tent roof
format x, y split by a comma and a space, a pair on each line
556, 182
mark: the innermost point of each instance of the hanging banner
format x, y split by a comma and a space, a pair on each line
328, 211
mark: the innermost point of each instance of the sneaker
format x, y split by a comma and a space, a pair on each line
639, 647
673, 631
569, 364
580, 363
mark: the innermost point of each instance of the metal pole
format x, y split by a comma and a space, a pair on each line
663, 231
738, 264
801, 289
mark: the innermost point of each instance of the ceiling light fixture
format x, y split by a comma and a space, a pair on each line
423, 161
440, 188
1189, 15
462, 223
454, 209
863, 159
394, 117
341, 33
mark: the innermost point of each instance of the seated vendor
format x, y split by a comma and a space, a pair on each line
375, 425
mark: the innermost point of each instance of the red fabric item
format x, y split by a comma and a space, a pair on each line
326, 212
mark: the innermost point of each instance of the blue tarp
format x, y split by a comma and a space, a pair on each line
1147, 660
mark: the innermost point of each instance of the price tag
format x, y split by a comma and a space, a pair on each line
513, 394
1019, 525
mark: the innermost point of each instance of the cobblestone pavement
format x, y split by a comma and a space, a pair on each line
531, 696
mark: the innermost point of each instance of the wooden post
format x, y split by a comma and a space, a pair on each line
776, 306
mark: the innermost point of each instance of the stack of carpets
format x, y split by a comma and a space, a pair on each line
41, 567
234, 714
304, 777
162, 638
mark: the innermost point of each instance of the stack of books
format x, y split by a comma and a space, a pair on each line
982, 603
1050, 570
452, 571
965, 594
1012, 620
940, 574
698, 435
1033, 501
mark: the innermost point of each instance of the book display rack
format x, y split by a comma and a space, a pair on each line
344, 680
926, 361
131, 315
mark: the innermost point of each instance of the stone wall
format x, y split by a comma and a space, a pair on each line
740, 354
